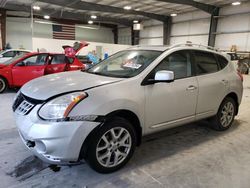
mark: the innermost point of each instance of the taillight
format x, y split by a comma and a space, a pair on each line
240, 75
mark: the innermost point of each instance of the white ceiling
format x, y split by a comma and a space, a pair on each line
151, 6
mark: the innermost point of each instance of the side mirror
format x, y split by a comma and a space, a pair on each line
1, 55
160, 76
164, 76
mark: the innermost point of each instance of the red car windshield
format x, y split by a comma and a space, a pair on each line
8, 62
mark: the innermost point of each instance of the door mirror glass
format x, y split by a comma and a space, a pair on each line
164, 76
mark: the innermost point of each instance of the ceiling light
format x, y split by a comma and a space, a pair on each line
127, 7
90, 22
36, 7
173, 14
236, 3
46, 17
93, 16
136, 21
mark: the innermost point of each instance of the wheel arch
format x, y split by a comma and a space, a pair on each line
132, 118
6, 80
234, 96
126, 114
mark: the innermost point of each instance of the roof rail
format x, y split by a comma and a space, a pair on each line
193, 45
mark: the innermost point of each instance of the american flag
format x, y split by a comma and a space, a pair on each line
66, 32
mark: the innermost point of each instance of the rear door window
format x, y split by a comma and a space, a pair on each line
205, 63
58, 59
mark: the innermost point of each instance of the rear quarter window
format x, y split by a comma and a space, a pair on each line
223, 62
205, 62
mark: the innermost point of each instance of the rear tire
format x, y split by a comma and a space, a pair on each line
3, 85
225, 115
112, 145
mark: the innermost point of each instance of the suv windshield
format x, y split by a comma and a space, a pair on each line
125, 64
8, 62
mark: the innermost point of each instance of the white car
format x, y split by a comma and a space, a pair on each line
9, 54
101, 115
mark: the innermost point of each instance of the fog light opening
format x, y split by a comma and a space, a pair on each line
30, 144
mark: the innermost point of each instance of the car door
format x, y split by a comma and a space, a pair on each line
171, 104
213, 84
28, 69
56, 64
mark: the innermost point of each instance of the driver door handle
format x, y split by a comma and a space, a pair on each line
191, 88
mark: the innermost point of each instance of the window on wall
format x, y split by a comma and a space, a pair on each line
205, 63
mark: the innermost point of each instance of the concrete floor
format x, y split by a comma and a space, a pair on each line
189, 156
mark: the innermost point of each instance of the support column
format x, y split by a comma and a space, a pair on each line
3, 27
135, 36
167, 31
115, 32
213, 27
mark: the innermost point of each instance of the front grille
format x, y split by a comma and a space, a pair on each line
24, 108
18, 101
23, 105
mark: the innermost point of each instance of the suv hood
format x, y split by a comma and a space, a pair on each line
48, 86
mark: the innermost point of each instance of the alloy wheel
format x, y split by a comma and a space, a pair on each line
227, 114
2, 85
113, 147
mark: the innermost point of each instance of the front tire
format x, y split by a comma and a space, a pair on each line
3, 85
112, 145
225, 115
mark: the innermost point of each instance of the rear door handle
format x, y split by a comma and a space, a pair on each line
190, 88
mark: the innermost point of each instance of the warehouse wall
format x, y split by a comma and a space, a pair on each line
152, 33
124, 35
233, 28
193, 26
55, 45
19, 33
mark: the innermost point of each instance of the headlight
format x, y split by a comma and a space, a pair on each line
60, 107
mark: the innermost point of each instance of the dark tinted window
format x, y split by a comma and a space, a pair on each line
178, 62
222, 61
205, 63
58, 59
9, 54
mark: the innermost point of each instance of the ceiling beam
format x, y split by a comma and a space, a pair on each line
202, 6
82, 5
68, 15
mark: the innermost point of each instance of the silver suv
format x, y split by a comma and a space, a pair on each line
101, 115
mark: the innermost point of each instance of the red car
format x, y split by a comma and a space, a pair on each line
21, 69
